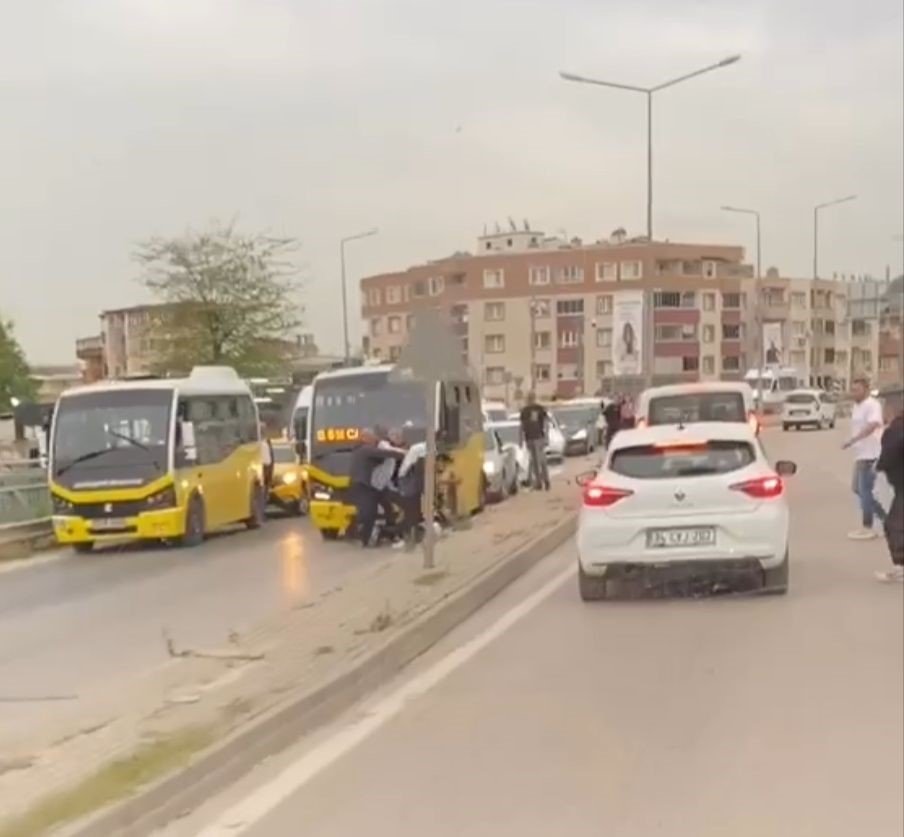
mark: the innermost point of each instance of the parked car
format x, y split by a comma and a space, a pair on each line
510, 435
699, 500
716, 401
808, 407
493, 411
578, 424
500, 469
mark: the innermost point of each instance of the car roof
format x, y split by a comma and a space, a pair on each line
702, 431
203, 380
806, 391
698, 386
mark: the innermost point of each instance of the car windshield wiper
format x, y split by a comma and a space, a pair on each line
126, 438
696, 471
84, 457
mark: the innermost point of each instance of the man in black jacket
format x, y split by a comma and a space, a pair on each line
891, 463
362, 494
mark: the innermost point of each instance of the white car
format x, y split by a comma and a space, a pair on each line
509, 433
493, 411
555, 437
808, 407
500, 470
696, 501
715, 401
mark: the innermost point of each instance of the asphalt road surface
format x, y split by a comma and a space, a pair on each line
542, 715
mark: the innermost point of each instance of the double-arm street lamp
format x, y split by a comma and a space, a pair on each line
816, 210
342, 243
648, 92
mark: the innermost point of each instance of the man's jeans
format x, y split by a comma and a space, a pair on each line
863, 485
539, 472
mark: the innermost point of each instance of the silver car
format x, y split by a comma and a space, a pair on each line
500, 468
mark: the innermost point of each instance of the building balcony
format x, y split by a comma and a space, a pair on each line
86, 347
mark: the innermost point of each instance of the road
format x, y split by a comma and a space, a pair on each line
70, 624
741, 716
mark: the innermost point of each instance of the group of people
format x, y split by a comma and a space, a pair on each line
387, 476
618, 415
877, 442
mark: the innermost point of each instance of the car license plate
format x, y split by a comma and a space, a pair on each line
109, 523
800, 412
670, 538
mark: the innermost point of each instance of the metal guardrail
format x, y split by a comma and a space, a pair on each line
24, 498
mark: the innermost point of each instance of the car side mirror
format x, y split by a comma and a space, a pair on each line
785, 468
585, 478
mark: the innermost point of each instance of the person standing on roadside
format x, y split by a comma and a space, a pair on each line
611, 413
891, 463
362, 494
534, 430
866, 443
266, 457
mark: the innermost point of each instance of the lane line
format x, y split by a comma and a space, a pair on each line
11, 565
260, 802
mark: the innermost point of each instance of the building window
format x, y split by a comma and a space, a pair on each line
709, 333
690, 364
710, 270
604, 338
830, 327
685, 331
539, 308
459, 314
731, 301
731, 331
631, 270
569, 338
419, 289
569, 307
709, 301
406, 293
409, 322
542, 340
494, 278
538, 276
604, 304
542, 372
731, 363
374, 296
829, 356
859, 328
606, 272
569, 274
495, 375
709, 365
395, 325
604, 369
394, 353
798, 328
494, 311
436, 285
375, 325
674, 299
799, 299
393, 295
494, 344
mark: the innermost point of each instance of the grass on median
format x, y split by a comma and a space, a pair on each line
111, 783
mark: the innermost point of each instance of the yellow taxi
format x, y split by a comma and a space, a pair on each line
289, 485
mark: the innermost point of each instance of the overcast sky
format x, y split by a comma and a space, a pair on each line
123, 119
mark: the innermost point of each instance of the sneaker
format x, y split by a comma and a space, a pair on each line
862, 535
891, 576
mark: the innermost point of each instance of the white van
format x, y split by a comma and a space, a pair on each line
808, 407
699, 402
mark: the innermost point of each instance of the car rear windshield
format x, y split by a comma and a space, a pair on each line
800, 398
648, 462
697, 406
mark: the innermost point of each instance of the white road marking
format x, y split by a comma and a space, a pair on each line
264, 799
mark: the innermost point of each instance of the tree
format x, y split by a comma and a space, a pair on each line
228, 299
15, 379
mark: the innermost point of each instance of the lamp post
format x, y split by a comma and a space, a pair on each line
342, 243
757, 310
816, 210
648, 92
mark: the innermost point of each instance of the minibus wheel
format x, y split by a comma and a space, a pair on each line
194, 523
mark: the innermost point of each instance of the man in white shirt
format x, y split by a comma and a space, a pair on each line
866, 443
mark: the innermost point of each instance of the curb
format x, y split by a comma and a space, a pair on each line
280, 727
21, 540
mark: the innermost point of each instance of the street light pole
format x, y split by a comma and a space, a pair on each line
757, 309
816, 210
342, 243
648, 92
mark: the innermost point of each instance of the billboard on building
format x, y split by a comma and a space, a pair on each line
627, 333
773, 345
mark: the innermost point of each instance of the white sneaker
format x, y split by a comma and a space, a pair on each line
862, 535
891, 576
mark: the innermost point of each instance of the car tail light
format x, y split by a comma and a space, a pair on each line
763, 488
600, 496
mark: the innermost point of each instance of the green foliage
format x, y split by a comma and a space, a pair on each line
228, 296
15, 380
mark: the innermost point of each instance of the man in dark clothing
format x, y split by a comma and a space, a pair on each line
891, 463
362, 494
534, 430
611, 413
